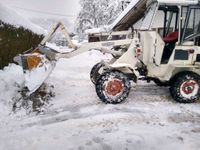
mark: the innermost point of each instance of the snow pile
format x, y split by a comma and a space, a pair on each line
11, 78
10, 16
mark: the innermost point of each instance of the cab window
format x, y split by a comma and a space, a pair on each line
192, 26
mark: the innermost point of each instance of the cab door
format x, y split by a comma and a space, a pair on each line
191, 28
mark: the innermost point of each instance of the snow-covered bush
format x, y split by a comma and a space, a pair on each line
14, 41
17, 34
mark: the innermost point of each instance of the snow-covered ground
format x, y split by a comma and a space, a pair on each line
77, 120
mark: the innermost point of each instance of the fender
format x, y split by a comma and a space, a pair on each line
121, 65
126, 68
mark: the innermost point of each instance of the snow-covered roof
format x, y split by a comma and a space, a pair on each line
135, 11
10, 16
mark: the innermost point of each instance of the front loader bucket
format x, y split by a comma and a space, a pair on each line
37, 67
38, 63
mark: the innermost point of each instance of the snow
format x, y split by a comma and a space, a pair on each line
179, 2
60, 49
128, 8
10, 16
111, 26
10, 80
97, 30
77, 120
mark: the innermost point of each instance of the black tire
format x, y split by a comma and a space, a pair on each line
113, 87
94, 73
185, 87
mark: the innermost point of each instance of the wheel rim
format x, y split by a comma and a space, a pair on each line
189, 88
114, 88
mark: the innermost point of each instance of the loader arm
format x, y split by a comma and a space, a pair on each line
64, 31
104, 47
38, 63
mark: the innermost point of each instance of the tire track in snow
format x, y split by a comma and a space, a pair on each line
131, 115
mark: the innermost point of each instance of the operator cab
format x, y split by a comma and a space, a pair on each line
177, 22
170, 31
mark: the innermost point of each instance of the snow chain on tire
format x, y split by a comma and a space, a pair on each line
185, 88
94, 73
113, 87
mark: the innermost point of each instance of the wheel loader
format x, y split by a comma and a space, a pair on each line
156, 40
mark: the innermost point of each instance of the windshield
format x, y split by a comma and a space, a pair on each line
149, 15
